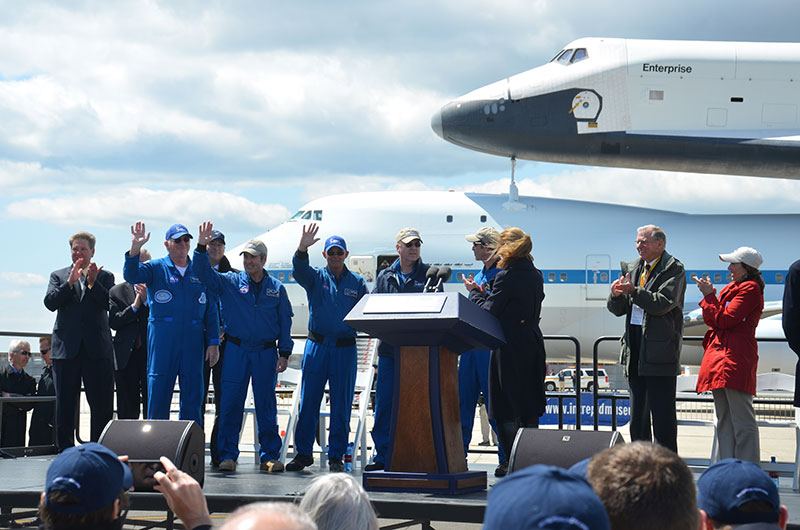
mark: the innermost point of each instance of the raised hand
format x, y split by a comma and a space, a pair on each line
309, 237
204, 233
91, 274
75, 273
139, 236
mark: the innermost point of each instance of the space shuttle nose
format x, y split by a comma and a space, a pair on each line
436, 123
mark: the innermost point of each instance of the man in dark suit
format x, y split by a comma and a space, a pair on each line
81, 340
791, 318
43, 419
128, 317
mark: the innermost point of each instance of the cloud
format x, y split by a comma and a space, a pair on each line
25, 279
119, 208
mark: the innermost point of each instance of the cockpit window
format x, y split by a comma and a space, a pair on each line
565, 56
306, 215
580, 54
554, 59
318, 215
297, 215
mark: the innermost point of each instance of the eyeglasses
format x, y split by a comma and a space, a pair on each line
44, 351
24, 352
414, 243
335, 252
184, 239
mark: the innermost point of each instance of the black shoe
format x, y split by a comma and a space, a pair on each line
375, 466
299, 462
335, 465
501, 470
484, 444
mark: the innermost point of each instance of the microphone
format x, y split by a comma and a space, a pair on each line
442, 275
429, 278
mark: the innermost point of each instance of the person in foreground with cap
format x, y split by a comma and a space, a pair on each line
735, 494
405, 275
220, 263
86, 488
473, 366
330, 351
730, 360
183, 322
542, 496
258, 325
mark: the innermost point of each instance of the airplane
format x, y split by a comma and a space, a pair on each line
694, 106
578, 245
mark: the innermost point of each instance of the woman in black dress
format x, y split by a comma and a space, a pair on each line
517, 369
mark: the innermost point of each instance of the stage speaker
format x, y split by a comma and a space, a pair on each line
145, 441
558, 448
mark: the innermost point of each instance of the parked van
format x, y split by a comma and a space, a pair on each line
587, 379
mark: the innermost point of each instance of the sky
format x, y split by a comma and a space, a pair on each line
240, 112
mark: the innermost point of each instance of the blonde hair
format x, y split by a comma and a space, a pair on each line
514, 245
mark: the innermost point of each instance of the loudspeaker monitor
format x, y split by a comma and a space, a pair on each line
145, 441
561, 448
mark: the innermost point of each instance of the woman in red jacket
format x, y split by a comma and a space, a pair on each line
731, 352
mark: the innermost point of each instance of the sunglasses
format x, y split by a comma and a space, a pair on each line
414, 243
184, 239
24, 352
44, 351
335, 252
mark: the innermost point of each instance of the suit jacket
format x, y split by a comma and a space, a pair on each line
79, 321
791, 318
126, 322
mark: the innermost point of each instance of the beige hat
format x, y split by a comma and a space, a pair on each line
255, 247
407, 235
486, 236
746, 255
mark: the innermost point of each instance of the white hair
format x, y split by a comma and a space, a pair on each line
283, 515
16, 345
337, 501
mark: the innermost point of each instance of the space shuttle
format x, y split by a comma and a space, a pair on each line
694, 106
578, 245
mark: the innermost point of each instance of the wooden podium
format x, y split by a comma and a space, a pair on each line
426, 451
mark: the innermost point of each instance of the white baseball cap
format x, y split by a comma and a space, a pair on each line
746, 255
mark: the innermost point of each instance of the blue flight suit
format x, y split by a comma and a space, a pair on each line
390, 280
473, 376
330, 353
258, 317
183, 321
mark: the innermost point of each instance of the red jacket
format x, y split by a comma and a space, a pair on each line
731, 351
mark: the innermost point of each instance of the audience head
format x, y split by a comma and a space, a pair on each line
216, 248
737, 494
144, 255
19, 353
269, 516
514, 245
634, 482
484, 242
408, 243
650, 242
337, 501
44, 348
82, 246
542, 496
85, 487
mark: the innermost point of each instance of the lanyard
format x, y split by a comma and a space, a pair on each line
643, 278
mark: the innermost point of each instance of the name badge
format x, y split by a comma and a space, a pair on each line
637, 315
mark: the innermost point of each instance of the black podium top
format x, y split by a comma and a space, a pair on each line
427, 319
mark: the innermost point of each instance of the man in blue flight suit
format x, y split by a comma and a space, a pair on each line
183, 322
330, 352
405, 275
473, 366
258, 326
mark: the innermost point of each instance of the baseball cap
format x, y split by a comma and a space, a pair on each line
542, 496
486, 236
92, 473
255, 247
335, 241
728, 484
216, 234
746, 255
175, 231
407, 235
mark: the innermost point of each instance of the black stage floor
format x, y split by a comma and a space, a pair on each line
22, 481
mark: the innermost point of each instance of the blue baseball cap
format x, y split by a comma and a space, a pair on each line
335, 241
216, 234
177, 230
92, 473
728, 484
543, 496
